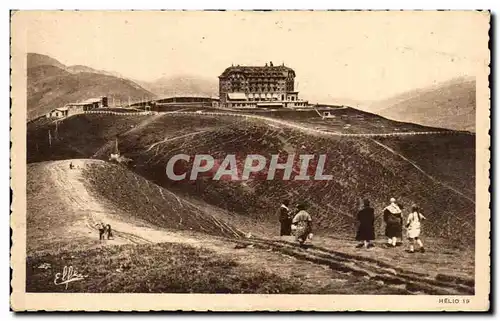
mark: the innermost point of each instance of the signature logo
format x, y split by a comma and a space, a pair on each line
67, 276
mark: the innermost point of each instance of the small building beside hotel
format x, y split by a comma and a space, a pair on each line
266, 86
88, 104
167, 103
76, 108
58, 113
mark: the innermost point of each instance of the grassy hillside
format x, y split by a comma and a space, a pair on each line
77, 136
157, 268
139, 198
346, 120
450, 159
448, 105
360, 166
52, 85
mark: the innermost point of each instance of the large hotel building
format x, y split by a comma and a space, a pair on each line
266, 86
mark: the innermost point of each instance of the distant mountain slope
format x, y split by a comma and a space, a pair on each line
448, 105
183, 85
35, 60
81, 68
52, 84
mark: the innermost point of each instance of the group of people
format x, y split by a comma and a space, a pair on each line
105, 231
295, 221
393, 219
299, 222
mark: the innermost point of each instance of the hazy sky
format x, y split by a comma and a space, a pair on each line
359, 55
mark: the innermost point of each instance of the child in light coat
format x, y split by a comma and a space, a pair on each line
413, 226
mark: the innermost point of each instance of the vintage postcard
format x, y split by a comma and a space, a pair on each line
250, 160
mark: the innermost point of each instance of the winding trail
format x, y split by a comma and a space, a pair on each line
289, 124
332, 269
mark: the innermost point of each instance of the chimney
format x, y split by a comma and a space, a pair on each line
266, 64
271, 63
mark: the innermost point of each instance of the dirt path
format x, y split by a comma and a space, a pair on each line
168, 139
321, 270
72, 190
309, 130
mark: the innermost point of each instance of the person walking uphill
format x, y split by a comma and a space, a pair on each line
413, 226
394, 223
366, 231
302, 223
285, 219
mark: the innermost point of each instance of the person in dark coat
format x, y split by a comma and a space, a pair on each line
393, 219
366, 230
109, 232
285, 219
102, 229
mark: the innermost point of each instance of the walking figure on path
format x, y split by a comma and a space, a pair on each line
285, 219
414, 228
366, 231
394, 223
302, 224
102, 230
109, 232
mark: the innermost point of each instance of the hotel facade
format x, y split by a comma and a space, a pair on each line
266, 86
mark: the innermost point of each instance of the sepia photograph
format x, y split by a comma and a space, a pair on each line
250, 160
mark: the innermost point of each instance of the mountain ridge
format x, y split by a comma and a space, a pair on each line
51, 84
449, 104
182, 85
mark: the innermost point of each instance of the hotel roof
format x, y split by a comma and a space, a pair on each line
258, 71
